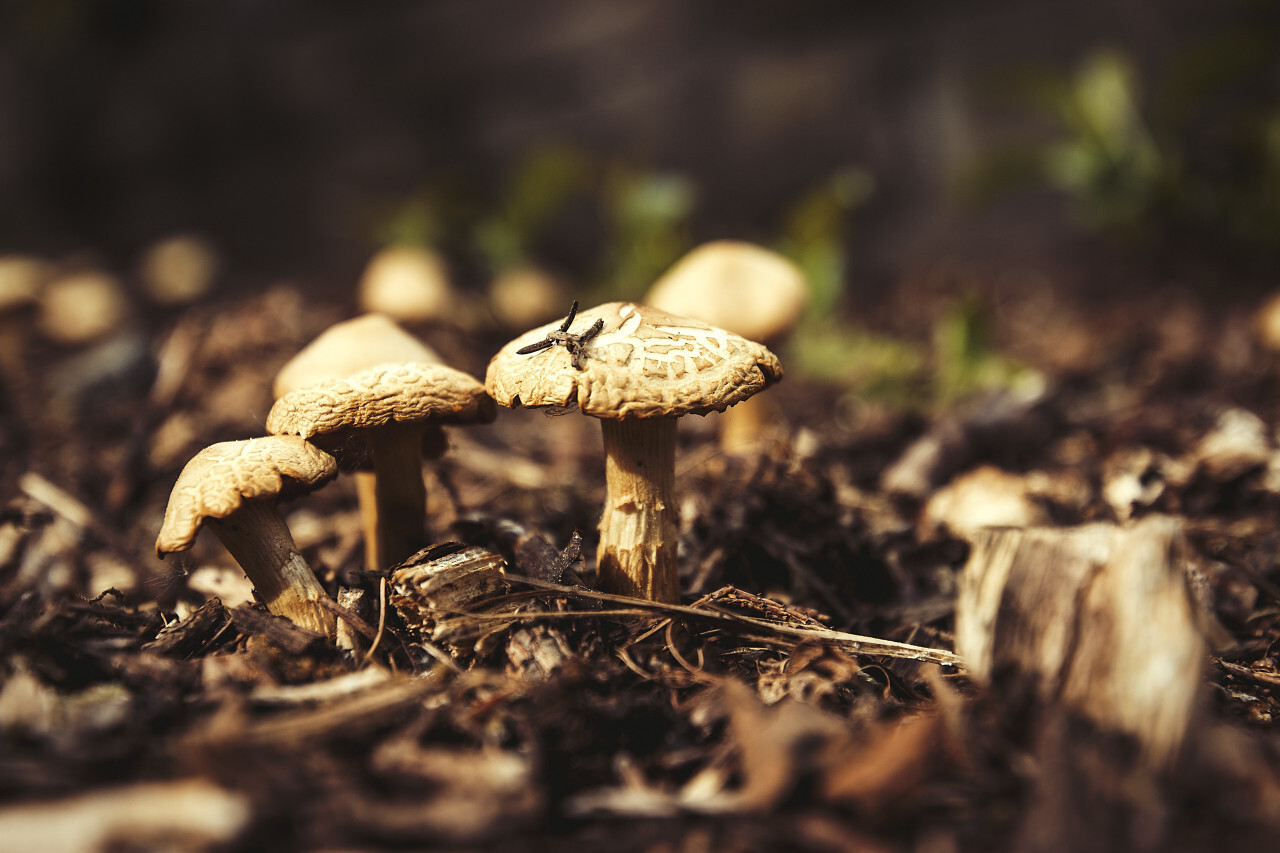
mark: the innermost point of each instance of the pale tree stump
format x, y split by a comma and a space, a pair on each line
1100, 619
1096, 627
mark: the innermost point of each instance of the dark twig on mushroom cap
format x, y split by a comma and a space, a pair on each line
573, 343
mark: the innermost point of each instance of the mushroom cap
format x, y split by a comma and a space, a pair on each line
179, 270
350, 347
21, 277
410, 283
742, 287
220, 478
644, 363
522, 295
380, 396
82, 307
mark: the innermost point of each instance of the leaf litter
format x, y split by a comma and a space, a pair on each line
486, 696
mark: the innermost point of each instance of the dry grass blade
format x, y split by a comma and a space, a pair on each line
343, 710
769, 632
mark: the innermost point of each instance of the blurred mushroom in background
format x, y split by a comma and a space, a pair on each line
524, 295
178, 270
744, 289
409, 284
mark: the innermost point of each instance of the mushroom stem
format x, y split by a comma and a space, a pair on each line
259, 540
639, 528
743, 426
400, 494
367, 497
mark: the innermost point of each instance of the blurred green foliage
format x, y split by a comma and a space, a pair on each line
542, 184
1107, 160
966, 359
961, 358
644, 218
815, 234
1183, 155
648, 214
415, 222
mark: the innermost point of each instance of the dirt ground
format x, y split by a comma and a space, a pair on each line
805, 696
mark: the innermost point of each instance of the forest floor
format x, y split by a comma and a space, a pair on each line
154, 705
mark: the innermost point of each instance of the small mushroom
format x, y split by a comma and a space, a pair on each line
366, 391
745, 289
178, 270
408, 283
522, 295
637, 372
234, 486
82, 307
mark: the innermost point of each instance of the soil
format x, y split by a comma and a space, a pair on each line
805, 696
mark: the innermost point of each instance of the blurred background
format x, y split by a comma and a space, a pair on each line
928, 164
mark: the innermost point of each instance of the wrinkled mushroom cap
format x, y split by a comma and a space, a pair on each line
380, 396
349, 347
644, 363
220, 478
742, 287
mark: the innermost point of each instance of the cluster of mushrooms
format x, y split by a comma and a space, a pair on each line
367, 397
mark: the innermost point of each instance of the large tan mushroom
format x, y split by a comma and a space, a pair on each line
371, 394
233, 486
742, 288
637, 372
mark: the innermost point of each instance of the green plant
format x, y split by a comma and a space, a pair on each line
1107, 160
648, 214
540, 186
1189, 161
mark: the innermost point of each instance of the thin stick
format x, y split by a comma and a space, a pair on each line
854, 643
382, 620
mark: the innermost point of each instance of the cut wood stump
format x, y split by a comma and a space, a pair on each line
1096, 620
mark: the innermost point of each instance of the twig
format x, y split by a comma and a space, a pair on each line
680, 659
382, 620
853, 643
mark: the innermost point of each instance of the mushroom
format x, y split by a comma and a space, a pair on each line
234, 487
178, 270
82, 307
746, 289
522, 295
409, 283
637, 369
368, 392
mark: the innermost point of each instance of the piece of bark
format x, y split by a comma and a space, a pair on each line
192, 635
977, 499
343, 710
280, 632
352, 626
181, 815
437, 587
1098, 618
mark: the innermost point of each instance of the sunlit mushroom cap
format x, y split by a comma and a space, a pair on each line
220, 478
643, 363
350, 347
380, 396
742, 287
